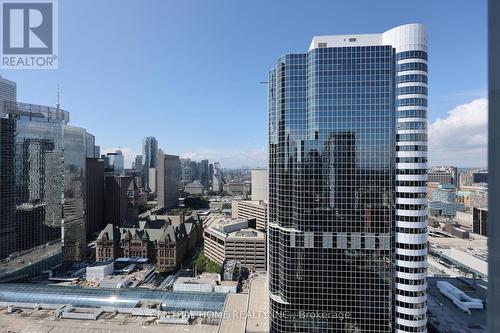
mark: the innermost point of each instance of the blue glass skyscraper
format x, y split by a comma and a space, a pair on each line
347, 184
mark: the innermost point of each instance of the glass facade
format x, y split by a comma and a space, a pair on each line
98, 297
43, 177
149, 151
333, 188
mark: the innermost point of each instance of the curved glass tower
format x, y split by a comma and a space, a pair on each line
347, 184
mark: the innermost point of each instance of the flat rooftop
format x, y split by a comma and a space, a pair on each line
247, 311
444, 316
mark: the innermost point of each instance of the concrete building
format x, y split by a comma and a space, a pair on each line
8, 90
464, 219
217, 184
168, 180
443, 175
152, 182
204, 283
165, 240
251, 209
479, 221
238, 188
194, 188
99, 270
235, 239
344, 117
260, 179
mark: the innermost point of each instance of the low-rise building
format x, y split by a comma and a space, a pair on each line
194, 188
166, 240
205, 283
236, 239
251, 209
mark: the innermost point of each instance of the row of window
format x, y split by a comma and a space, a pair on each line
412, 78
411, 230
412, 66
412, 125
410, 282
411, 270
410, 258
412, 102
411, 195
410, 329
411, 317
411, 136
412, 114
405, 246
410, 207
411, 55
412, 90
417, 183
411, 148
412, 218
411, 159
411, 171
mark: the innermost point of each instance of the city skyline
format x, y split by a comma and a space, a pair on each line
166, 85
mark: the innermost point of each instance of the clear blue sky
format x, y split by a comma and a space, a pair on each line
188, 71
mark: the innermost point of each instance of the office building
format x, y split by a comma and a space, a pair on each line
187, 174
94, 176
149, 151
7, 187
204, 173
43, 166
137, 165
235, 239
444, 175
217, 183
152, 182
259, 184
347, 184
168, 180
479, 221
251, 209
8, 90
480, 176
119, 196
116, 162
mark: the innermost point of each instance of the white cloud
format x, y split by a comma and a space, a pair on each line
230, 158
128, 154
461, 138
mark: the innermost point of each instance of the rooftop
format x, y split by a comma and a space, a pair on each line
445, 316
99, 297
